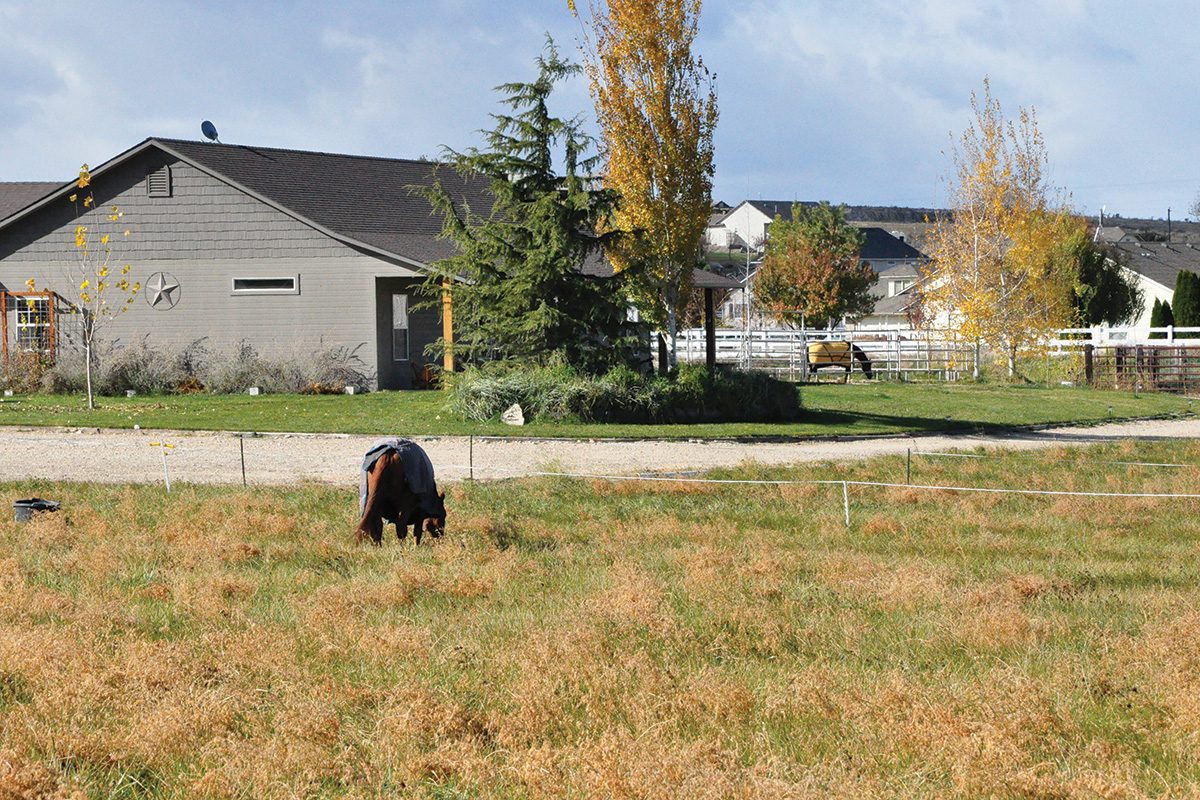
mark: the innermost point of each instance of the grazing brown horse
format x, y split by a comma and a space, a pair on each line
398, 486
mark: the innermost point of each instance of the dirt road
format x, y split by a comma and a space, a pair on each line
131, 456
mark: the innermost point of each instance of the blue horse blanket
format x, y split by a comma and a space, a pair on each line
418, 473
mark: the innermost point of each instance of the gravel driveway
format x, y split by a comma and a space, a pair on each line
61, 454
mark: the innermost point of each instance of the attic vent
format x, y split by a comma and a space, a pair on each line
158, 182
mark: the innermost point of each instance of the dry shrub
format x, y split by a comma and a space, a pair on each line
909, 586
619, 764
794, 492
1172, 646
45, 531
992, 619
881, 523
22, 779
636, 600
712, 700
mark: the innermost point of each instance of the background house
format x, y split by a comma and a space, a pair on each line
1157, 265
745, 225
895, 262
291, 251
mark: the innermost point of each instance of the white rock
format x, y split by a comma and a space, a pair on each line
513, 415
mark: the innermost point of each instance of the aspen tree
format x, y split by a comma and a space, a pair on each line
96, 290
657, 109
1002, 269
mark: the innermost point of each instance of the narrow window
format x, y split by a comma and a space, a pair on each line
400, 327
288, 285
158, 182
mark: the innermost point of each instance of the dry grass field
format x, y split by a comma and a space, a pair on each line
595, 639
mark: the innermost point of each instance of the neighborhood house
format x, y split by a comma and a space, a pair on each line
291, 251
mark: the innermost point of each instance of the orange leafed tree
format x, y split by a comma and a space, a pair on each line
657, 109
1002, 269
813, 266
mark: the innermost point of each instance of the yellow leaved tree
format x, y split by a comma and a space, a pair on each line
93, 291
1003, 268
657, 109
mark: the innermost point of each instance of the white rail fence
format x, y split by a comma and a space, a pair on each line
900, 353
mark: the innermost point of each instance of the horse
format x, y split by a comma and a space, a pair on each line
398, 486
837, 354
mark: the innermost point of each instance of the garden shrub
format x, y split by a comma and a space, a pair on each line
147, 369
22, 371
691, 394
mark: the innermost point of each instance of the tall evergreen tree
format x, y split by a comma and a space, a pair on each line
1185, 302
519, 287
1104, 291
1160, 317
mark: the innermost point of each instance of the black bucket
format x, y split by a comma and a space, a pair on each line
24, 508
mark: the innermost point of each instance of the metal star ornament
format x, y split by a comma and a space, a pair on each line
162, 291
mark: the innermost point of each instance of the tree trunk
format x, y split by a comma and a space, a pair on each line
664, 368
672, 337
975, 363
87, 368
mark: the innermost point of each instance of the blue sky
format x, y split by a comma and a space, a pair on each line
849, 102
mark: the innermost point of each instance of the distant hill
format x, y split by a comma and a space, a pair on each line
1152, 230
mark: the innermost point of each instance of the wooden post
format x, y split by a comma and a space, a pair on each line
1089, 366
710, 331
447, 327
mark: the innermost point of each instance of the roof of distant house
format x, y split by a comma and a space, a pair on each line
1161, 262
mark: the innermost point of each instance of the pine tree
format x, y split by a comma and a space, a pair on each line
1160, 313
1185, 302
1105, 292
519, 289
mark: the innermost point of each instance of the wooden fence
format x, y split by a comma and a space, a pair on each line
1145, 367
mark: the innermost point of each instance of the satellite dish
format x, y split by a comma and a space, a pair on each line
209, 130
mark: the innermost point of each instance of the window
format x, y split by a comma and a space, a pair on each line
158, 182
902, 285
400, 327
33, 324
288, 285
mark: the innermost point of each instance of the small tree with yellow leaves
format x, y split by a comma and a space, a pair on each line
1003, 268
92, 290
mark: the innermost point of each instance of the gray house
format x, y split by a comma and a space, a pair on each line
292, 251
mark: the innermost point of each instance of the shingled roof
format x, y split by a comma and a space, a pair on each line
362, 199
1161, 262
876, 214
16, 196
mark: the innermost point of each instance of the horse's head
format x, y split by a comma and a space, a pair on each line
436, 525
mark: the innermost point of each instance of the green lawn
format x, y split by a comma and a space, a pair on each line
830, 410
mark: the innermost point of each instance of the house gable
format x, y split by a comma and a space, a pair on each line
202, 218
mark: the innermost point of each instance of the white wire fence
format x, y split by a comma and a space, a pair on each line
252, 454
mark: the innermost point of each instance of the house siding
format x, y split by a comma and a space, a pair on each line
206, 234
